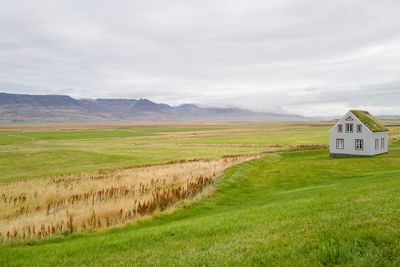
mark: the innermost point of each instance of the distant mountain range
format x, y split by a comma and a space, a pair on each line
20, 108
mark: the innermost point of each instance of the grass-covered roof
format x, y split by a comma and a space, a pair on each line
370, 121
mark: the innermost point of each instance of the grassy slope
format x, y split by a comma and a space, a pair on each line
291, 209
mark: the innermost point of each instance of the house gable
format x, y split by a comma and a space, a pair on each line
361, 117
349, 118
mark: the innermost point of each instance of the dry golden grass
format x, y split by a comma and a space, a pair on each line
88, 201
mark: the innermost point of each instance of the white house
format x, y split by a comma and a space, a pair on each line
358, 133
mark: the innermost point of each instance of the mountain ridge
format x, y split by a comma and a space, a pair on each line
26, 108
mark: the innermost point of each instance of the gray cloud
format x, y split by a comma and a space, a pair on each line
309, 57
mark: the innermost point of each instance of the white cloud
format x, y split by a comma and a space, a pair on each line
309, 57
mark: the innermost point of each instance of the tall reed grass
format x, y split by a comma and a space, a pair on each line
39, 208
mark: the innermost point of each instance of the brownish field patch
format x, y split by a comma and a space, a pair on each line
98, 126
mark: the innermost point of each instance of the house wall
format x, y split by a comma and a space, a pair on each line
349, 138
379, 135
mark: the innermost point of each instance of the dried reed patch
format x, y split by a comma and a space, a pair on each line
40, 208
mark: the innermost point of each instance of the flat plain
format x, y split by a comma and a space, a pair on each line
293, 206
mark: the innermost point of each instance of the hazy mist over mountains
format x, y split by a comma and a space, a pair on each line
23, 108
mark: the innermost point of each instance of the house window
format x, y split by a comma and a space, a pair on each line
340, 128
349, 127
339, 143
349, 118
359, 144
382, 143
359, 128
376, 144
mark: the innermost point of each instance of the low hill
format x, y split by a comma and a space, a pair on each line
19, 108
290, 209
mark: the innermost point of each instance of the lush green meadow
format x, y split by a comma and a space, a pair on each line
298, 208
48, 152
293, 209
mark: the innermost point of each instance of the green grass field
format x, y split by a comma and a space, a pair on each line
290, 209
7, 140
71, 135
299, 208
39, 153
35, 161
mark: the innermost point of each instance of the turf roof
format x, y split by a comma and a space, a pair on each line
370, 121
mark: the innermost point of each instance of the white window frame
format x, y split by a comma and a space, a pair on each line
349, 128
339, 141
359, 144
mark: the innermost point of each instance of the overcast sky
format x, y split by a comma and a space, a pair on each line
307, 57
